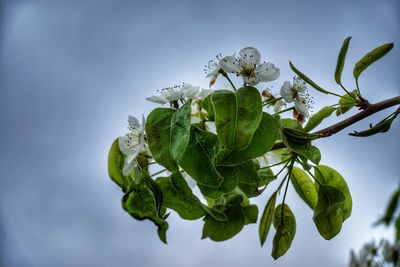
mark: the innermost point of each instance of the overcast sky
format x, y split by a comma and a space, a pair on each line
72, 71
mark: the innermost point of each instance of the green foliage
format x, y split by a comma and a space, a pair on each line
180, 131
201, 148
347, 102
341, 59
207, 105
300, 143
329, 211
115, 164
308, 80
266, 219
158, 131
285, 225
318, 117
328, 176
250, 213
391, 208
144, 201
179, 197
381, 127
370, 58
221, 231
225, 163
266, 176
237, 116
262, 142
304, 187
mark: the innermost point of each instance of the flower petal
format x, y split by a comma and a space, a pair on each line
249, 57
252, 81
286, 92
133, 123
123, 142
267, 72
133, 154
172, 95
278, 105
143, 125
157, 99
229, 64
301, 107
189, 91
128, 168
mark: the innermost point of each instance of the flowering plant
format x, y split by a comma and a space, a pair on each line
232, 144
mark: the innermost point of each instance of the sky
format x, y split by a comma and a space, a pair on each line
72, 71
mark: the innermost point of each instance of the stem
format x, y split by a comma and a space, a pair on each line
341, 85
288, 109
229, 80
315, 179
276, 164
287, 174
272, 101
282, 169
157, 173
358, 88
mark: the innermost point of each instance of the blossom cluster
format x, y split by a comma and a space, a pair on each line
249, 67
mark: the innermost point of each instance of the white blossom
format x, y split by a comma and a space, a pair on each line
297, 93
249, 67
212, 70
175, 93
133, 143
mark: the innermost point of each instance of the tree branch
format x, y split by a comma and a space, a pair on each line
371, 109
368, 111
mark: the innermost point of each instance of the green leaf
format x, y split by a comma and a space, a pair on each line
303, 148
298, 136
328, 176
207, 105
291, 123
266, 176
158, 132
179, 197
180, 130
308, 80
228, 185
221, 231
318, 117
341, 59
266, 219
370, 58
237, 116
250, 213
115, 165
397, 225
198, 157
328, 214
168, 132
347, 102
285, 225
144, 202
250, 190
381, 127
247, 173
304, 187
390, 209
262, 142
